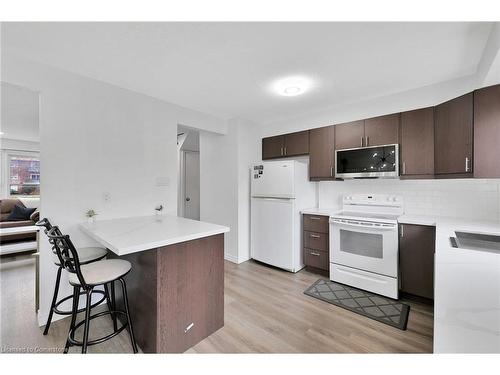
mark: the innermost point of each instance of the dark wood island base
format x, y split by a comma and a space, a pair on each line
176, 294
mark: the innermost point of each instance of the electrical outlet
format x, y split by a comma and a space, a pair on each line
106, 196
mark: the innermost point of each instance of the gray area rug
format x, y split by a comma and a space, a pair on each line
382, 309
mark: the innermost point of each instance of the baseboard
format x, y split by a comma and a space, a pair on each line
241, 260
231, 258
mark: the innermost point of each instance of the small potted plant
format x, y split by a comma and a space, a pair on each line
90, 216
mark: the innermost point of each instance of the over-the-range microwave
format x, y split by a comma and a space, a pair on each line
367, 162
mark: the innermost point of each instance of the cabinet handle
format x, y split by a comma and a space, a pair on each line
404, 167
188, 327
361, 141
314, 218
331, 171
314, 254
285, 151
281, 152
314, 236
402, 230
467, 164
367, 141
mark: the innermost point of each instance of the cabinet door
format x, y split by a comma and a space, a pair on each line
487, 132
349, 135
272, 147
322, 153
297, 143
190, 293
453, 133
382, 130
416, 259
417, 142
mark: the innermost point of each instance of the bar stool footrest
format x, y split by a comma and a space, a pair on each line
69, 312
75, 342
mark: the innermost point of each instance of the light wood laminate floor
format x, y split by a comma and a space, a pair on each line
265, 312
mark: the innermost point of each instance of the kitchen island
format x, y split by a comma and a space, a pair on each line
176, 285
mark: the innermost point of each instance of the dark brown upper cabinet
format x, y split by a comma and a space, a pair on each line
416, 259
417, 143
272, 147
487, 132
382, 130
297, 144
453, 137
349, 135
322, 153
293, 144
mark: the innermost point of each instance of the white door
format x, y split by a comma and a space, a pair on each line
192, 185
273, 179
272, 231
366, 246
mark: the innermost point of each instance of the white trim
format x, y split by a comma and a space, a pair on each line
231, 258
242, 260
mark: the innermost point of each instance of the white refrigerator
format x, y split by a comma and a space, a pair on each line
279, 191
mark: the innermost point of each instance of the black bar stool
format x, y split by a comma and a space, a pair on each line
86, 255
88, 277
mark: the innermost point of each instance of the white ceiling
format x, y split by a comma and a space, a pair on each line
225, 68
19, 107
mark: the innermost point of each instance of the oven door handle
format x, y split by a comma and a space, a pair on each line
359, 224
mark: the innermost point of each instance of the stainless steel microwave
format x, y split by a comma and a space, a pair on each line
367, 162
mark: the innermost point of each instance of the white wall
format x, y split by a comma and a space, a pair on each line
476, 199
225, 183
404, 101
96, 138
19, 112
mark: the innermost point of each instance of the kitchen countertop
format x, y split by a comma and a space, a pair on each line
466, 291
320, 211
133, 234
466, 286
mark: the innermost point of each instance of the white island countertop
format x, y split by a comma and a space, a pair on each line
133, 234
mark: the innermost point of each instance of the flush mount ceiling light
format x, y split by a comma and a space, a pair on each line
292, 86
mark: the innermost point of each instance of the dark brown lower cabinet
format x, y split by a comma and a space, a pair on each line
416, 259
316, 241
176, 294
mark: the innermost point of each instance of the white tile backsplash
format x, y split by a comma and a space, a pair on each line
466, 198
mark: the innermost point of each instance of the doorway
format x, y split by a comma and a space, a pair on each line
188, 145
19, 193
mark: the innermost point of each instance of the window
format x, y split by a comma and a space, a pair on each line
24, 175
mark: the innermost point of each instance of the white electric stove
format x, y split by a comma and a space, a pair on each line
364, 243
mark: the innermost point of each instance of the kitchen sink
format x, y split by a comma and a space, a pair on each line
476, 241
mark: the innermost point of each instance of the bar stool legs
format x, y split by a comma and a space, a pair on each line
111, 303
87, 321
129, 321
54, 301
76, 297
110, 299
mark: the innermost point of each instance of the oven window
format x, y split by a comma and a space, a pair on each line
373, 159
359, 243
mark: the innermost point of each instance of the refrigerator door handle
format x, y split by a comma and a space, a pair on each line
274, 199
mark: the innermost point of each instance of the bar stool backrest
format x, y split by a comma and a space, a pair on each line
45, 223
67, 253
